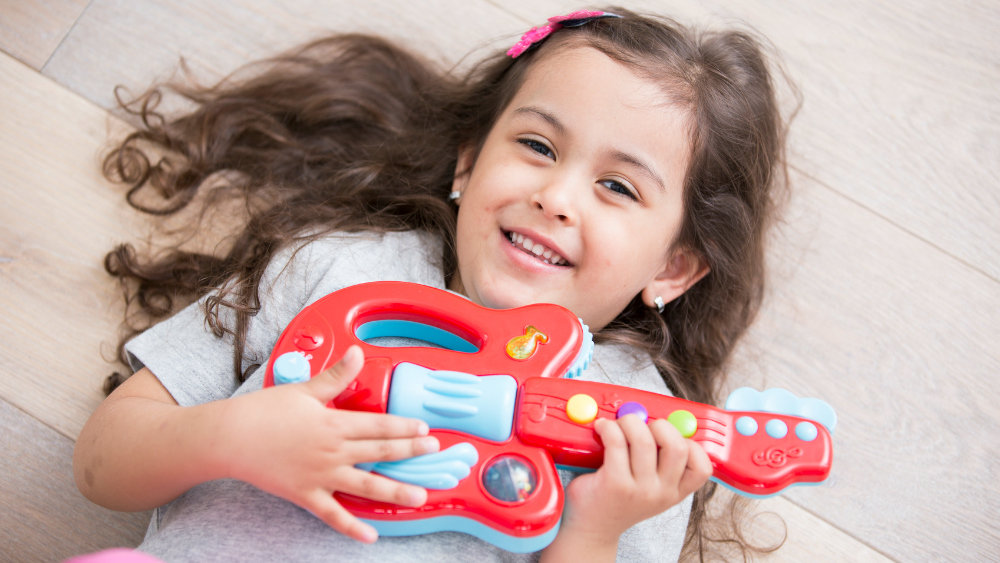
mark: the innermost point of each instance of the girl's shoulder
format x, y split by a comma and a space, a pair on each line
332, 261
625, 365
368, 246
382, 254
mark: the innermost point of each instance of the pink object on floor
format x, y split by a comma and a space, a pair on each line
116, 555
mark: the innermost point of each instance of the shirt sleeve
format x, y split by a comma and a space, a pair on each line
196, 366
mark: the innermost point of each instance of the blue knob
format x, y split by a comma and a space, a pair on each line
291, 367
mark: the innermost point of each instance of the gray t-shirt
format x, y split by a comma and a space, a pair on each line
228, 520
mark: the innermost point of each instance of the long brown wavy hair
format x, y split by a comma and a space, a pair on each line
354, 133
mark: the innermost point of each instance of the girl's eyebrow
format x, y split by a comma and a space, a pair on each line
548, 117
620, 156
646, 169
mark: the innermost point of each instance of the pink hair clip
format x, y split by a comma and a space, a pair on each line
537, 34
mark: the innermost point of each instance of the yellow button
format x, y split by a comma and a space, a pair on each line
581, 408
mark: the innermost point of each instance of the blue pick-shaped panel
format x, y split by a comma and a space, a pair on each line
439, 470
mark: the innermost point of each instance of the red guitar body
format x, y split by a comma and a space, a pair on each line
492, 386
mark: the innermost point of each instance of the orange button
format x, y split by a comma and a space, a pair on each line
581, 408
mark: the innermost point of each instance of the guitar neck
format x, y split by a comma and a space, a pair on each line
755, 453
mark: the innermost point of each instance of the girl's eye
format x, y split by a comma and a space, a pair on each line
539, 147
619, 188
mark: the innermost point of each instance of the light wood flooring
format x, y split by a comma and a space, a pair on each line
886, 291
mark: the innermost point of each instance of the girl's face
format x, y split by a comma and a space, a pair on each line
577, 193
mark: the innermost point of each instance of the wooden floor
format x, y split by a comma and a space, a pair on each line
886, 293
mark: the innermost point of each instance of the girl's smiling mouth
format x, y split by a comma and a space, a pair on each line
536, 249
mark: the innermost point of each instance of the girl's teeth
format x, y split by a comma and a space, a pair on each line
537, 249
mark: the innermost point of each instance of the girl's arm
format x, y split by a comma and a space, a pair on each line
140, 450
647, 469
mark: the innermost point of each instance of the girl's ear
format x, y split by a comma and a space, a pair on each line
463, 169
682, 270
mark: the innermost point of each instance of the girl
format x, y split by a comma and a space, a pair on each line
619, 165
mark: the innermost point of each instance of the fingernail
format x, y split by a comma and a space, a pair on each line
368, 535
352, 353
417, 497
428, 445
423, 429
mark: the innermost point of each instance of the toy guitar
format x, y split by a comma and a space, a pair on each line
496, 389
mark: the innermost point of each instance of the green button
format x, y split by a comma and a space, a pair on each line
684, 422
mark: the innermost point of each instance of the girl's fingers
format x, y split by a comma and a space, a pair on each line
389, 450
356, 425
616, 457
697, 470
372, 486
332, 381
673, 455
641, 445
681, 460
326, 508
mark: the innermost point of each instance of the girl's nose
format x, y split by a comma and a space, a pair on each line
558, 199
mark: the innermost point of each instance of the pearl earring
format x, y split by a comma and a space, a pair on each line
453, 196
660, 305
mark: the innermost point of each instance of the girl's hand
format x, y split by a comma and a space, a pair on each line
647, 469
285, 441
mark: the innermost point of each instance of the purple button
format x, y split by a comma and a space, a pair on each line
632, 407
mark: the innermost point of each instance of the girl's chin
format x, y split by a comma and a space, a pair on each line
510, 297
505, 302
